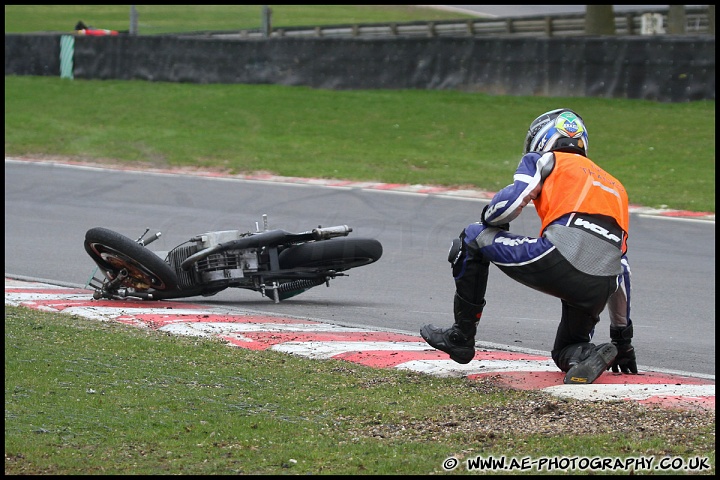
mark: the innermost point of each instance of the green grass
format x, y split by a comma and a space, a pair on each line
157, 19
89, 397
426, 137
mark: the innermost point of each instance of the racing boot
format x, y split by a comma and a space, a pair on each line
587, 362
458, 341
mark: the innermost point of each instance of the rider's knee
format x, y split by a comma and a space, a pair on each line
465, 249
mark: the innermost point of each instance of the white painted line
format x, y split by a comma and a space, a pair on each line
450, 368
330, 349
633, 392
223, 328
21, 284
427, 190
703, 219
15, 298
111, 313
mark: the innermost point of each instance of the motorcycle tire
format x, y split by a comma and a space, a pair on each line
336, 254
113, 252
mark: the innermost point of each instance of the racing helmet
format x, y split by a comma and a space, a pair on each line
560, 129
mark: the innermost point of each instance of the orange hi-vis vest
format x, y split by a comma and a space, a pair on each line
576, 184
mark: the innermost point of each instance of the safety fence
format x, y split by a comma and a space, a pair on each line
698, 21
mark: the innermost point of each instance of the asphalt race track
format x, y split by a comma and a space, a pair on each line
372, 316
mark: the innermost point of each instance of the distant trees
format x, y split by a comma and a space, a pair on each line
599, 20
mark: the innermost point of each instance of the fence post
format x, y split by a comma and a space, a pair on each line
133, 20
470, 28
431, 29
266, 22
630, 20
509, 25
599, 20
677, 20
711, 19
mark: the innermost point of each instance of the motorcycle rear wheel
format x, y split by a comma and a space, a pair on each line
337, 254
113, 252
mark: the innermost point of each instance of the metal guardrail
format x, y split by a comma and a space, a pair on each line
626, 23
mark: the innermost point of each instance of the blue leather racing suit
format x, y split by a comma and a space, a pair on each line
579, 257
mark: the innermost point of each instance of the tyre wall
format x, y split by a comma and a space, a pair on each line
32, 55
662, 68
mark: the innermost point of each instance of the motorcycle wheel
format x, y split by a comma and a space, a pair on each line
337, 254
114, 252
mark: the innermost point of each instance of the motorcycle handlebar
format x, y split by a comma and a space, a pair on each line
147, 241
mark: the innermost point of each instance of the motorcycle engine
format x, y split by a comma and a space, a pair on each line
224, 267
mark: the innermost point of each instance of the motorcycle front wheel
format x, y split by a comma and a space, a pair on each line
337, 254
113, 252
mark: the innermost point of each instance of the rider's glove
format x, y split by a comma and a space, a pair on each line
625, 361
504, 226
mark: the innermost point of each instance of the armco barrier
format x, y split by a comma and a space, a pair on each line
662, 68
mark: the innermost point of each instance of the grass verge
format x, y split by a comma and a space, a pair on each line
161, 19
446, 138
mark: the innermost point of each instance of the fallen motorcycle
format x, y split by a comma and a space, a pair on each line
277, 263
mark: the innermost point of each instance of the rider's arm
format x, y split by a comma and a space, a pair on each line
619, 302
507, 204
621, 327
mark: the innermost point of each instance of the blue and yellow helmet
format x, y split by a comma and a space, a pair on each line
560, 129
